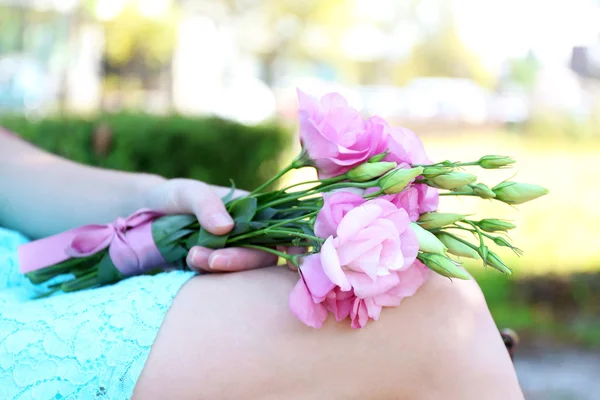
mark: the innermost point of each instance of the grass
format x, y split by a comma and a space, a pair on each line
559, 232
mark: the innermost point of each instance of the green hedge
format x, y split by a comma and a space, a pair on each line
210, 149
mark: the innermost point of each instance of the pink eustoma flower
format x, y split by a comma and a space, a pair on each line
335, 136
367, 262
372, 239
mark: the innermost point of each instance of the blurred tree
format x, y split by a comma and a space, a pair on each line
443, 53
131, 38
138, 49
307, 30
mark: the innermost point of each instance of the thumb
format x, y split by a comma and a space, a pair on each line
188, 196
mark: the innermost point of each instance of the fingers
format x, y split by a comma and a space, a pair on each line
224, 191
195, 197
228, 260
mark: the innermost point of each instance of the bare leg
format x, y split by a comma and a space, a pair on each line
233, 337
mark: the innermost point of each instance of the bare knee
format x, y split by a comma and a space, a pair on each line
232, 336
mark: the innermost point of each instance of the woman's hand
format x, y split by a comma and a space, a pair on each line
187, 196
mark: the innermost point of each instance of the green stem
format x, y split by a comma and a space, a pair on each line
284, 200
343, 185
373, 195
317, 190
449, 164
270, 229
298, 208
457, 194
322, 182
288, 257
273, 179
465, 242
287, 221
298, 234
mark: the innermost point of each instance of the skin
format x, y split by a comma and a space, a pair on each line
231, 336
441, 343
42, 194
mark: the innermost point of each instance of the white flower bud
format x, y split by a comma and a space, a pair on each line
452, 180
433, 220
396, 180
428, 243
518, 193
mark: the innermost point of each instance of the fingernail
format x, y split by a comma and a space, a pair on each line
221, 220
198, 257
218, 261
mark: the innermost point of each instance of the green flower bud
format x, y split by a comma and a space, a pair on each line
428, 243
457, 247
444, 266
433, 220
368, 171
395, 181
495, 261
500, 241
482, 190
452, 180
494, 225
463, 189
432, 172
518, 193
494, 162
378, 157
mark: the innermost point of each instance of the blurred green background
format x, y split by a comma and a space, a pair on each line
206, 89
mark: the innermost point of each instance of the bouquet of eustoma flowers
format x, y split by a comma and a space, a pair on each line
368, 224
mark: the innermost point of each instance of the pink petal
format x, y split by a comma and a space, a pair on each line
410, 246
339, 304
357, 219
359, 314
411, 279
310, 105
367, 262
331, 265
316, 144
408, 200
386, 206
373, 310
365, 287
303, 307
332, 100
400, 219
335, 207
428, 198
317, 282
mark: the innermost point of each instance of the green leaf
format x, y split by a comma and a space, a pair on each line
266, 214
107, 273
166, 226
175, 237
174, 255
245, 227
191, 241
244, 209
229, 195
207, 239
265, 198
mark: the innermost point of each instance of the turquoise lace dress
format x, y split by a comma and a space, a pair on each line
85, 345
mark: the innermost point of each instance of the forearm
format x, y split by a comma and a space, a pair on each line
42, 194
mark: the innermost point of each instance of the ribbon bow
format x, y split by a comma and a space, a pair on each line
129, 241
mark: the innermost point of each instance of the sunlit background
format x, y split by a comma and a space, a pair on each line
471, 77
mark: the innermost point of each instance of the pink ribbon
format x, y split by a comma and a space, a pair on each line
129, 240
